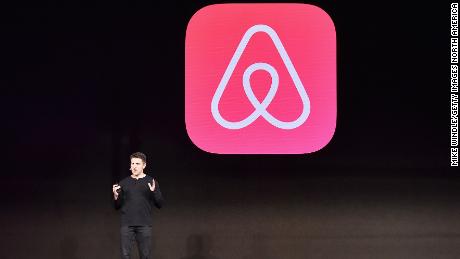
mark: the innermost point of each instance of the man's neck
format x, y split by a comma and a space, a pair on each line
142, 175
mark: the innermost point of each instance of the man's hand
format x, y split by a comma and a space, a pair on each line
115, 188
152, 186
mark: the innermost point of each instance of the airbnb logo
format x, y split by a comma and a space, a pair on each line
261, 108
260, 79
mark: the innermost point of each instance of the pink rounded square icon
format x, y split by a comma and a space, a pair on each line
260, 79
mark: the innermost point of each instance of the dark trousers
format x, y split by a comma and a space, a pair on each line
143, 237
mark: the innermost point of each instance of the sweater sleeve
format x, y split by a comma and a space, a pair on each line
118, 202
157, 197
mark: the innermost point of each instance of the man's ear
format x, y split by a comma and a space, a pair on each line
145, 164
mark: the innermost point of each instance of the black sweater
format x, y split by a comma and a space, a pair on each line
135, 201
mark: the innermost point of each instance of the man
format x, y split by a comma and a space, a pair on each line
134, 196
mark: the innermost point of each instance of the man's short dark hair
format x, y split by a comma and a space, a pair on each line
139, 155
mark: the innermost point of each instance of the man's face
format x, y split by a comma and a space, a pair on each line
137, 166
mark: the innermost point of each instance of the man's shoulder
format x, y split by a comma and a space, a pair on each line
125, 180
149, 178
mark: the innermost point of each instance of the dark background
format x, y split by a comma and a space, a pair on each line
84, 85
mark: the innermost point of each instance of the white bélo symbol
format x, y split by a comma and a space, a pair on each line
260, 107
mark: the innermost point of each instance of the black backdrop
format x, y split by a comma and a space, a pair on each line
84, 85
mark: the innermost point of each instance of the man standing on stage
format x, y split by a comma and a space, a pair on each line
134, 196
